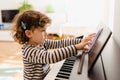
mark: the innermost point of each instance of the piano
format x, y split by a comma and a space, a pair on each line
95, 65
63, 71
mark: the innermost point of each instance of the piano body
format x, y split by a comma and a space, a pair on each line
105, 67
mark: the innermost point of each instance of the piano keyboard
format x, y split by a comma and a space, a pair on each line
66, 69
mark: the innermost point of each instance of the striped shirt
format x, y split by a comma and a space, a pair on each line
37, 59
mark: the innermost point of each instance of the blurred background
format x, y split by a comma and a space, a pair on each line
68, 16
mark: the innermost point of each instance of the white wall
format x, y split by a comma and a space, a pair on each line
84, 12
116, 24
89, 12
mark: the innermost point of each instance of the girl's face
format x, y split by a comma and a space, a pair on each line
37, 36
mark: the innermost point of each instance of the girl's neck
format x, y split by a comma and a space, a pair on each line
32, 43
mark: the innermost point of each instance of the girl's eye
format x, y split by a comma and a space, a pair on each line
42, 30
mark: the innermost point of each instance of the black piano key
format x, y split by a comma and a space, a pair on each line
69, 61
66, 69
64, 73
71, 64
67, 66
62, 76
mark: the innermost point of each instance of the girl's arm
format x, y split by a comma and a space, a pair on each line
42, 56
53, 44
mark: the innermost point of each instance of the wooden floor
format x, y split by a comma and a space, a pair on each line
11, 65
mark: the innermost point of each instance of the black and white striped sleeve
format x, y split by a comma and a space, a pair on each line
53, 44
34, 55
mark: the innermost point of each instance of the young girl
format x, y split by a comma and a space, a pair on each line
30, 30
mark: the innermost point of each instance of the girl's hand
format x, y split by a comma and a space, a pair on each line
85, 42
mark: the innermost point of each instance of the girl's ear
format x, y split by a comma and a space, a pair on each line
28, 33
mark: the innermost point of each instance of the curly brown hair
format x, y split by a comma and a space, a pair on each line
31, 19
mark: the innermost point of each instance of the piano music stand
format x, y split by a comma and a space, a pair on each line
98, 47
89, 51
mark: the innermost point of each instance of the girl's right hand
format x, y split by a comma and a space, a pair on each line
85, 42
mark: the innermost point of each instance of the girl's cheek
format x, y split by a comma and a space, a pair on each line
46, 35
43, 35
